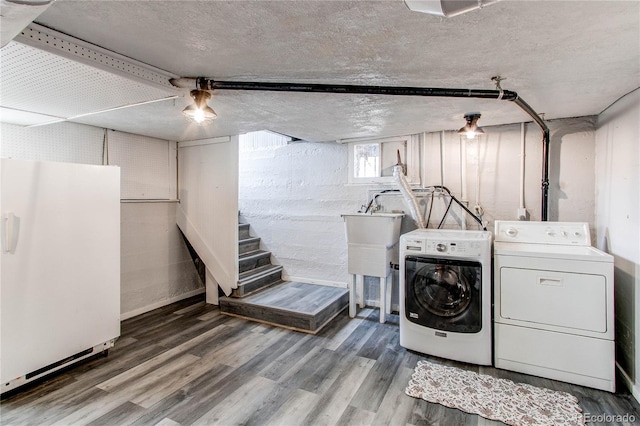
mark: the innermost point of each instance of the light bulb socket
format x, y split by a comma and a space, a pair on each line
471, 129
199, 112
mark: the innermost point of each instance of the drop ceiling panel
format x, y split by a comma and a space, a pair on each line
40, 82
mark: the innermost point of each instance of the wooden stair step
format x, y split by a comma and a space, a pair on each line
298, 306
254, 260
243, 230
257, 279
248, 245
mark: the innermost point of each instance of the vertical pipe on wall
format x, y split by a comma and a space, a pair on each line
544, 205
442, 158
463, 179
545, 175
522, 163
105, 148
477, 206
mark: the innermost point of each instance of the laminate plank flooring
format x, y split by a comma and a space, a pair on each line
186, 364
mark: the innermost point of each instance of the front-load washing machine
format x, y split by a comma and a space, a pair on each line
553, 303
445, 294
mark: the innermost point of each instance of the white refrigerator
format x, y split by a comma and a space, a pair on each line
59, 268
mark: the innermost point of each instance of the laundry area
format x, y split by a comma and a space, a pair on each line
320, 212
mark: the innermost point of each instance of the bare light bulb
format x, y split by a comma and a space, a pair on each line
198, 116
199, 112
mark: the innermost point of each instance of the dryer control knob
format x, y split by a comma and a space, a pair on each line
511, 232
441, 247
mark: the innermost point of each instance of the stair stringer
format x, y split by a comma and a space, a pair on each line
216, 270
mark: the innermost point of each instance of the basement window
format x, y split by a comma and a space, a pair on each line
372, 161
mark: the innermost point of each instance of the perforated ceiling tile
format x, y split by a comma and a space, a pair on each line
37, 81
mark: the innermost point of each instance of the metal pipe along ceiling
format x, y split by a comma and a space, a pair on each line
361, 90
505, 95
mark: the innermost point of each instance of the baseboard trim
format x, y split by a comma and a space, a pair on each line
160, 304
314, 281
634, 387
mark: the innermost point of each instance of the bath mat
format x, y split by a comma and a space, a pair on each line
493, 398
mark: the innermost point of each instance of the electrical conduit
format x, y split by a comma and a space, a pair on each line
522, 213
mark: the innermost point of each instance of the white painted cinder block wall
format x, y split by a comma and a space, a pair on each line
293, 194
618, 222
156, 267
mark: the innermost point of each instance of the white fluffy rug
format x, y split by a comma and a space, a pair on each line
515, 404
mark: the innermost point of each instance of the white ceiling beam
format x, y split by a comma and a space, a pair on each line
55, 42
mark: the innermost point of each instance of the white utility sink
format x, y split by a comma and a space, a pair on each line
372, 241
381, 229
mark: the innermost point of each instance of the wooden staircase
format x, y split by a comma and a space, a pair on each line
263, 296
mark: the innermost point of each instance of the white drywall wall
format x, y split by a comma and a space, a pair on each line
293, 194
571, 170
208, 210
156, 268
618, 223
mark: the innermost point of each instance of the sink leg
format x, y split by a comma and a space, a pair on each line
389, 286
383, 299
360, 290
352, 296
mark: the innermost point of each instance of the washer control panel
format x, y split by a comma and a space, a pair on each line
440, 247
562, 233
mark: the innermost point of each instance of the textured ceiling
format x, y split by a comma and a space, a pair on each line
565, 58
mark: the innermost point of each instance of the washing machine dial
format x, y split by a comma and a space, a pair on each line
511, 232
441, 247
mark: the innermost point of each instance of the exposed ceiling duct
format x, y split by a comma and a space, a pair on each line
17, 14
447, 8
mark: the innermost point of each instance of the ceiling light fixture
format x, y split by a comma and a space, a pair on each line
199, 112
446, 8
471, 129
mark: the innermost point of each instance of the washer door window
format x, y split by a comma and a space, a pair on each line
443, 294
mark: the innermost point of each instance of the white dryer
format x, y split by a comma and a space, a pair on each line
445, 294
553, 296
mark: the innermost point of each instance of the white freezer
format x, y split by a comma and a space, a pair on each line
60, 265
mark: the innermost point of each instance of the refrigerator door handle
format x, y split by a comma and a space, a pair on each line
9, 228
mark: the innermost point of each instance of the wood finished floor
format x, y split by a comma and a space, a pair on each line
187, 364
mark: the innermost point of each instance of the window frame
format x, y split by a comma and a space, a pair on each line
411, 143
